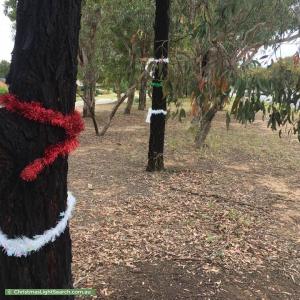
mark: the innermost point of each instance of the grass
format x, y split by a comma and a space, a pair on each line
3, 90
244, 139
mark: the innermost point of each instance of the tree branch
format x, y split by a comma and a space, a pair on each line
115, 109
93, 117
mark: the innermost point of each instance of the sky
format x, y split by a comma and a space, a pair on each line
6, 35
286, 49
6, 44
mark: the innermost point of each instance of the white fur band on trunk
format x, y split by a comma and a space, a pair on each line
154, 112
156, 61
23, 246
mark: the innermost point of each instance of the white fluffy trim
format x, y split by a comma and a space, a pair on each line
155, 61
23, 246
155, 112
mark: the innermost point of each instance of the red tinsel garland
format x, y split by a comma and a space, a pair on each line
34, 111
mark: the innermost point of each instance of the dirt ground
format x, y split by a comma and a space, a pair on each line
220, 223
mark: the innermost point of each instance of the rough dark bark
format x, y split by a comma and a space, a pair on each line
158, 122
44, 68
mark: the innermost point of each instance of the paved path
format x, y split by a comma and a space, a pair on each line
102, 101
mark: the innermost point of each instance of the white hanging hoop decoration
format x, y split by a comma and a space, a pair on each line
155, 112
153, 62
24, 246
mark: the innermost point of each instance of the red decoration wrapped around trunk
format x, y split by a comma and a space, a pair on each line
34, 111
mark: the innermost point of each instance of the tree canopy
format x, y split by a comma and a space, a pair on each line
4, 68
213, 44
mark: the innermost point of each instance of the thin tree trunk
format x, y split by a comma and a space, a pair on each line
205, 126
115, 109
92, 113
88, 51
119, 95
192, 11
130, 101
143, 80
128, 108
118, 90
118, 104
143, 92
86, 110
158, 121
89, 104
43, 69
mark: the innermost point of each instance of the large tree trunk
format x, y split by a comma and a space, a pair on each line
43, 69
158, 121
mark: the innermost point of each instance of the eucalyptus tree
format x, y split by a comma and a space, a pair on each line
4, 68
279, 87
42, 83
126, 45
89, 54
10, 9
221, 38
112, 47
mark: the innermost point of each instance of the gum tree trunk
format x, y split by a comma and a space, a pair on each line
130, 101
158, 121
204, 127
44, 68
88, 52
143, 80
89, 105
143, 91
